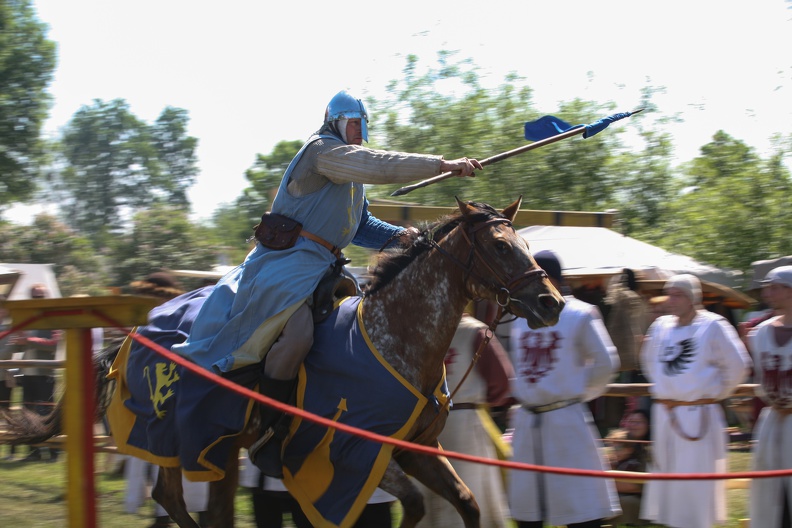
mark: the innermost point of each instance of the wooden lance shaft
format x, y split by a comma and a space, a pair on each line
491, 160
498, 157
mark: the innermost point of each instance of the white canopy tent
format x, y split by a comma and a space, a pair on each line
762, 267
589, 251
26, 276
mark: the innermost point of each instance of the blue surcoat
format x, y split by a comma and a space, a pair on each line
250, 305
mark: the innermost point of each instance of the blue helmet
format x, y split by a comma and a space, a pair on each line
344, 106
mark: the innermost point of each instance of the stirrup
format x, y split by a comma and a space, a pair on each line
266, 453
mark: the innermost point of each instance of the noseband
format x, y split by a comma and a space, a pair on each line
502, 286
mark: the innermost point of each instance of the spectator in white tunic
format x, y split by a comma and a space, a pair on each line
694, 360
469, 427
771, 346
558, 369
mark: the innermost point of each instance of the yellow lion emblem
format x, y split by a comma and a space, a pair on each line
166, 376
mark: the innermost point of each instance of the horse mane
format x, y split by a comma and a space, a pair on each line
391, 262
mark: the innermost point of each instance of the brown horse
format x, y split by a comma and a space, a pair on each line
411, 311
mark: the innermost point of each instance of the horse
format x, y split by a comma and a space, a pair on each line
410, 311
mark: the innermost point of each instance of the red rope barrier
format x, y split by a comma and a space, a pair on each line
374, 437
21, 325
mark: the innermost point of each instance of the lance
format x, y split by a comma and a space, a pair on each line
566, 131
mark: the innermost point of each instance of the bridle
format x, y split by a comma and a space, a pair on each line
501, 286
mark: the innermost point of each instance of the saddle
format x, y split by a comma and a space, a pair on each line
336, 284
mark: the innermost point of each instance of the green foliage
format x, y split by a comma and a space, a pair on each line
162, 238
47, 241
643, 180
27, 63
732, 207
117, 165
229, 232
476, 122
265, 177
176, 154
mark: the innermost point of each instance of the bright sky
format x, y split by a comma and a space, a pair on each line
252, 73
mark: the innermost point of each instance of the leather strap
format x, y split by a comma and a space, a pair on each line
335, 250
671, 404
463, 406
539, 409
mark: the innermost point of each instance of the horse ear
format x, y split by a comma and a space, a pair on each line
464, 208
511, 211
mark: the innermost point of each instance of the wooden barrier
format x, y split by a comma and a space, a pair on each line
76, 316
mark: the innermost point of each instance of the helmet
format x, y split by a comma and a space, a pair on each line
344, 106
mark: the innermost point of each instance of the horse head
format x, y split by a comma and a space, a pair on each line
500, 267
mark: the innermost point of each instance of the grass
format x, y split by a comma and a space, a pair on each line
33, 495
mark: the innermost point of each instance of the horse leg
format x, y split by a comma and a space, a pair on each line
220, 513
437, 474
169, 494
396, 482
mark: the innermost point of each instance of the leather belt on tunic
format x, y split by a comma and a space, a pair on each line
539, 409
335, 250
670, 405
464, 406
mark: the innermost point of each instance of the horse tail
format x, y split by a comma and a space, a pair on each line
28, 427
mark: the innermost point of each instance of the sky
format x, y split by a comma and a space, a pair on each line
252, 73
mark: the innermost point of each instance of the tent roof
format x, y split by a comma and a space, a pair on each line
30, 274
8, 278
587, 251
762, 267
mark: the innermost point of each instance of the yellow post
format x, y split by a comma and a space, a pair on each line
79, 428
77, 315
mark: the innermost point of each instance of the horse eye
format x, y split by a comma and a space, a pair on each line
501, 246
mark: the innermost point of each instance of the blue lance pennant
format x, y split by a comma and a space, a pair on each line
549, 126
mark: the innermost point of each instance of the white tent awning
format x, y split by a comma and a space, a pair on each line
586, 251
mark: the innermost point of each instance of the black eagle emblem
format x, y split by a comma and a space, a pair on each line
678, 363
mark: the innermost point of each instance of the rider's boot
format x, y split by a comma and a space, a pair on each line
267, 452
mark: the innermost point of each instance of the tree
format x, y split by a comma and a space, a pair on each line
732, 207
447, 111
643, 182
229, 232
115, 165
176, 153
161, 238
265, 176
27, 63
78, 268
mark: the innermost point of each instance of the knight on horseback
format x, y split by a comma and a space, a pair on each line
259, 319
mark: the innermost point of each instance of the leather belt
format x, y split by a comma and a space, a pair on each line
539, 409
464, 406
671, 404
704, 426
335, 250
